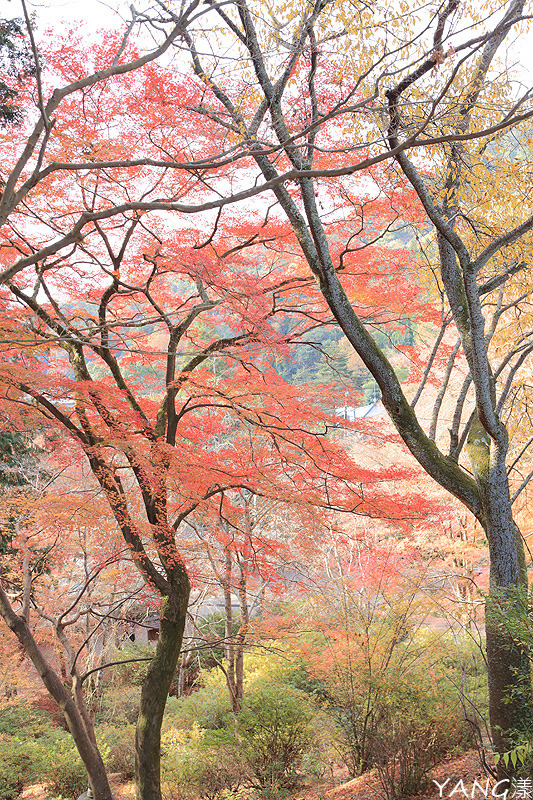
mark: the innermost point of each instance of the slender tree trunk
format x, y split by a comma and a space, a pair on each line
78, 721
155, 691
184, 661
229, 644
242, 634
243, 561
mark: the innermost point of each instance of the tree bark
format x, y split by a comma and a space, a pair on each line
229, 644
156, 687
79, 723
508, 665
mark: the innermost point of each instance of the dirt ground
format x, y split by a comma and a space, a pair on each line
120, 791
367, 787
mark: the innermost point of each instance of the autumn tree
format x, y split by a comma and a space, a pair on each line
169, 414
56, 589
150, 343
247, 547
289, 103
343, 94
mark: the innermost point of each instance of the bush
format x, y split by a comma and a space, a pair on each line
200, 763
22, 729
208, 751
64, 774
274, 733
132, 673
404, 753
374, 685
43, 752
209, 707
119, 705
418, 725
119, 743
33, 722
52, 759
18, 767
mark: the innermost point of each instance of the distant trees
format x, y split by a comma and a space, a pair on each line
245, 548
16, 65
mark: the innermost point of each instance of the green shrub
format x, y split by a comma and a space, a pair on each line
62, 769
22, 729
32, 722
200, 763
17, 767
209, 707
131, 673
45, 753
274, 732
119, 744
119, 705
209, 752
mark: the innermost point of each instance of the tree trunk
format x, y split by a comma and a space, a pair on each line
79, 724
242, 633
509, 688
229, 643
155, 691
508, 666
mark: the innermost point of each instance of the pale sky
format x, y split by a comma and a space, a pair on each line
99, 14
96, 13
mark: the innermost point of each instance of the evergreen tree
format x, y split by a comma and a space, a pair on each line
16, 62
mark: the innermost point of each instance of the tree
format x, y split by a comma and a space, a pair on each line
323, 108
237, 425
16, 64
249, 546
65, 613
151, 347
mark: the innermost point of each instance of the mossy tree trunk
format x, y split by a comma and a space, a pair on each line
155, 691
508, 664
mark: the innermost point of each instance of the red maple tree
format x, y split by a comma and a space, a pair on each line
150, 342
